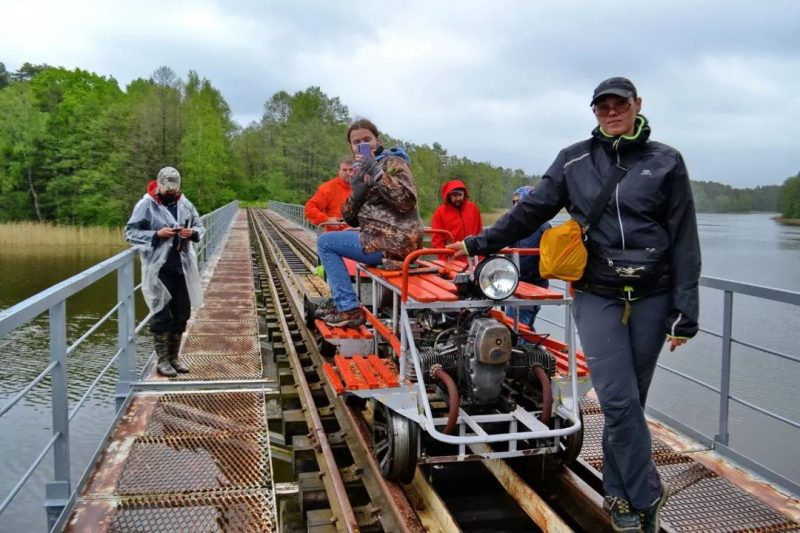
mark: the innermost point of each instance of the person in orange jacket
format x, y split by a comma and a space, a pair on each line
326, 204
457, 214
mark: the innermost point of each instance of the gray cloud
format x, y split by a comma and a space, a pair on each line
507, 82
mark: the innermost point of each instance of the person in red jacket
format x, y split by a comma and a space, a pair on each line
326, 204
457, 214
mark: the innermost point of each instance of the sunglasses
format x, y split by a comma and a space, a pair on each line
619, 107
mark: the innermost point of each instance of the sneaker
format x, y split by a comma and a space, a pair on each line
344, 319
324, 307
623, 517
650, 517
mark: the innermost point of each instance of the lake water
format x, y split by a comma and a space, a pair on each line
748, 248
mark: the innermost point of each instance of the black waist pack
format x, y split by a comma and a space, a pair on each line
637, 267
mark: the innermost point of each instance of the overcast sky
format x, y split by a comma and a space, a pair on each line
502, 81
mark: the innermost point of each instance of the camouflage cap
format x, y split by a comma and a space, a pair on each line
169, 179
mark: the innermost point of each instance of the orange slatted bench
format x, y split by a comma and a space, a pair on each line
328, 332
555, 347
421, 287
529, 291
432, 287
359, 372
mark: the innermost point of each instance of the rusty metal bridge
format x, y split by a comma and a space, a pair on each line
253, 439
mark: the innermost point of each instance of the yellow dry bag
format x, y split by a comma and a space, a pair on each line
562, 254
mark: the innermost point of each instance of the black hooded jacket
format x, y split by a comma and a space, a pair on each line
651, 208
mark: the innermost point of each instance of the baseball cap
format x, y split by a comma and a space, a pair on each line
618, 86
169, 179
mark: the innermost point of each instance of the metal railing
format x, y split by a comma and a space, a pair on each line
720, 441
59, 492
293, 212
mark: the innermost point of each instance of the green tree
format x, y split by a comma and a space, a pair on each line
28, 71
5, 77
21, 132
205, 155
80, 144
790, 197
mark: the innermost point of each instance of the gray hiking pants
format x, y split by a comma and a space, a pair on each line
622, 359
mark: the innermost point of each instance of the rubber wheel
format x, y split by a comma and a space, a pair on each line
395, 441
570, 446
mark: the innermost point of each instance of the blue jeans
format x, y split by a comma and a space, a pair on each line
332, 247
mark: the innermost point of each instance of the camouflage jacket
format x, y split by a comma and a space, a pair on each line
388, 218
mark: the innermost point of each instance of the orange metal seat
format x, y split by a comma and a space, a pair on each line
359, 372
329, 333
428, 287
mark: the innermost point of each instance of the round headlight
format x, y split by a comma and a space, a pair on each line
497, 277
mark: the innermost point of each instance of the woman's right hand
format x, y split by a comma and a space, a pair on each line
459, 247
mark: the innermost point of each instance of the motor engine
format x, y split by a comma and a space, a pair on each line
478, 353
488, 351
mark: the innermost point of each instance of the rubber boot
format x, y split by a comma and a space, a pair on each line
160, 340
174, 346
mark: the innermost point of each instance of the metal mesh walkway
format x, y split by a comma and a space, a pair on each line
194, 460
702, 499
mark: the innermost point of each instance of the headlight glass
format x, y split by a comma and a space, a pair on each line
497, 277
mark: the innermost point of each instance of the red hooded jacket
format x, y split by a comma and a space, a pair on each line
459, 222
327, 202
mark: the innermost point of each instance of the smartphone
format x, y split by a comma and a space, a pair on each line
364, 150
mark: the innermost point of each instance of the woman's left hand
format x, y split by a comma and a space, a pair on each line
371, 170
674, 342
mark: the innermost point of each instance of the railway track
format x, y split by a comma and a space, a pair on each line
340, 484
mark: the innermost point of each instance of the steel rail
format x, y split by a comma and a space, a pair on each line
92, 329
93, 385
342, 501
402, 516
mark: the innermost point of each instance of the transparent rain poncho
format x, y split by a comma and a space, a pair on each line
148, 217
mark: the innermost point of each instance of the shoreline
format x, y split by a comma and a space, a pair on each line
787, 221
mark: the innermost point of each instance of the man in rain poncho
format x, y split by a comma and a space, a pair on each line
163, 227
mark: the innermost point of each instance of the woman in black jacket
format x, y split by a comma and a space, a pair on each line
640, 285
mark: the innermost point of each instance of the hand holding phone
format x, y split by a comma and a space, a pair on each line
364, 150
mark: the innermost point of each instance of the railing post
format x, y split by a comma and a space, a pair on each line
725, 371
126, 331
57, 492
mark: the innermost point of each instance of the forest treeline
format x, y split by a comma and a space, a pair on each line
76, 148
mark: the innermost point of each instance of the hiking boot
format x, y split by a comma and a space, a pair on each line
324, 307
163, 367
173, 348
650, 517
623, 517
345, 319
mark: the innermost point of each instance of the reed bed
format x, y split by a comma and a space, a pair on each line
13, 234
